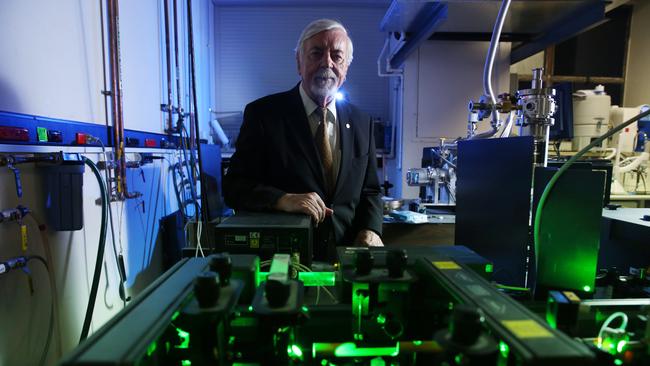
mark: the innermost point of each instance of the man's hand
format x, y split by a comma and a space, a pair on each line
368, 238
307, 203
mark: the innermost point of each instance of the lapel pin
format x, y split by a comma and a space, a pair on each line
347, 125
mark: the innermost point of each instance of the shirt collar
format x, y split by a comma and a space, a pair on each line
310, 105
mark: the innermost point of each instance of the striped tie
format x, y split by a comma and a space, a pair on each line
325, 151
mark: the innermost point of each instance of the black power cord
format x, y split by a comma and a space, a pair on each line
21, 262
100, 250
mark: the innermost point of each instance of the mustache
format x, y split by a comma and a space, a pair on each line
325, 73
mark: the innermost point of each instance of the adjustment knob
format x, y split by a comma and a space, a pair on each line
206, 289
396, 262
277, 292
221, 264
364, 261
466, 324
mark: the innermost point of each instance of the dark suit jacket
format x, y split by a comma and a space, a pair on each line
276, 154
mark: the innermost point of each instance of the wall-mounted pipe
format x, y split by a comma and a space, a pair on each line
116, 105
168, 62
489, 66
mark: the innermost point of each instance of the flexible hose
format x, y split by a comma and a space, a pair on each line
564, 167
122, 291
634, 163
52, 278
507, 129
100, 250
50, 327
203, 208
489, 61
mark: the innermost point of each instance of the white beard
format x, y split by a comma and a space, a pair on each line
324, 84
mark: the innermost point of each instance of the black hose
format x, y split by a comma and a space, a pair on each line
100, 251
204, 192
50, 327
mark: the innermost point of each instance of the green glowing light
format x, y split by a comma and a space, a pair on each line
294, 352
186, 362
317, 278
185, 338
381, 319
324, 363
42, 134
151, 349
304, 309
504, 349
250, 308
243, 322
261, 277
620, 346
489, 268
606, 344
377, 361
350, 349
458, 359
417, 343
309, 279
587, 288
618, 362
175, 315
257, 272
551, 320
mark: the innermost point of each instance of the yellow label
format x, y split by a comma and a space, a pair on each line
254, 243
571, 296
526, 329
446, 265
23, 237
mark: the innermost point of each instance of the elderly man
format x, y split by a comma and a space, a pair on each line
303, 151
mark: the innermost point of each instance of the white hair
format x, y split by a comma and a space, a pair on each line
322, 25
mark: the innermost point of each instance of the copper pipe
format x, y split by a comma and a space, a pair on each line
168, 59
116, 87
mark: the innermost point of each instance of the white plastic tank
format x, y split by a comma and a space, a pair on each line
590, 116
625, 140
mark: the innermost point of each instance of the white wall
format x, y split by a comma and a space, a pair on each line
51, 66
439, 80
637, 78
526, 66
52, 60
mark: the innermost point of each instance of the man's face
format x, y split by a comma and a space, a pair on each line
322, 64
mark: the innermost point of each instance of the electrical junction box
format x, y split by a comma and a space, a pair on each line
64, 193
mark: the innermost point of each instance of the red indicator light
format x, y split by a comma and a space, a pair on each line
149, 143
13, 134
80, 138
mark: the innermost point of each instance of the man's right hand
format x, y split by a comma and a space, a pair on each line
308, 203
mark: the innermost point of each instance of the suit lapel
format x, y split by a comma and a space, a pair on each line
299, 126
346, 136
